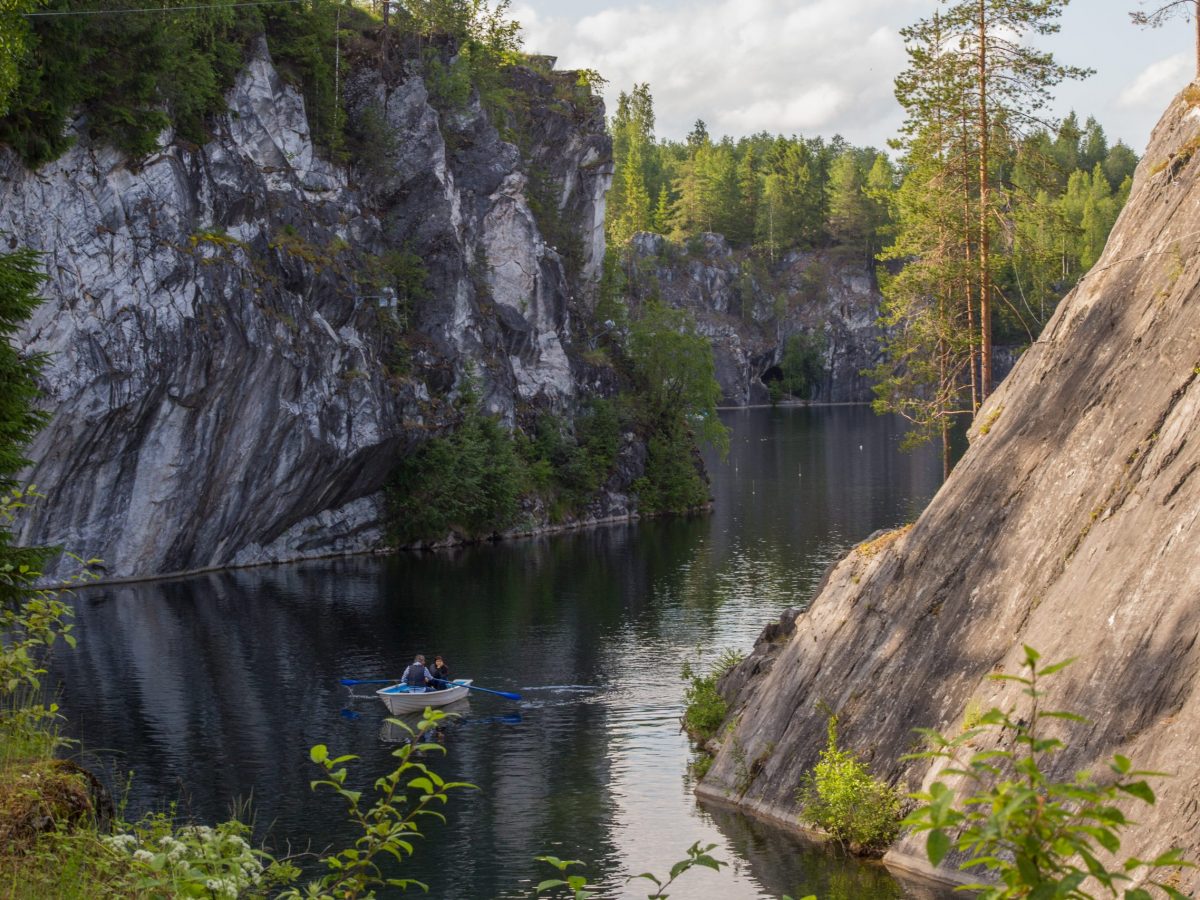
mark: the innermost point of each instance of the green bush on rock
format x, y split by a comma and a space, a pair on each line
842, 798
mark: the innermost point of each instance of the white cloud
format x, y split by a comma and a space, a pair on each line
1157, 83
743, 66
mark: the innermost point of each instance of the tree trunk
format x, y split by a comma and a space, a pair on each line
985, 299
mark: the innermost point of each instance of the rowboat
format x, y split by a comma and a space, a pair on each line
401, 699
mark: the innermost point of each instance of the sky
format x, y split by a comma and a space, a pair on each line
825, 67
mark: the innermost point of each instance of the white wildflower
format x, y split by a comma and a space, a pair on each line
143, 856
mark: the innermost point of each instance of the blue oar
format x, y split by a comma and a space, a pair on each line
485, 690
350, 681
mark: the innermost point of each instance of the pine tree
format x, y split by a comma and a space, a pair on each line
1160, 12
972, 59
634, 155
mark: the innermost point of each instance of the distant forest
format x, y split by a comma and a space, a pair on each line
769, 194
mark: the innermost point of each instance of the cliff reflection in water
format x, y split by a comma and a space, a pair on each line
213, 688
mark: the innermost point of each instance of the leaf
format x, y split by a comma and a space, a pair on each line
937, 845
319, 753
1056, 667
1139, 789
550, 883
649, 876
1173, 857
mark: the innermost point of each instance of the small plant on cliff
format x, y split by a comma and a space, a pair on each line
841, 797
1034, 836
704, 708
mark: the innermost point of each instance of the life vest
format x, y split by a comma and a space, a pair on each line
414, 675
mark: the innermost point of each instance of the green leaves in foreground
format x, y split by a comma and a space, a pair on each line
1036, 837
405, 797
577, 885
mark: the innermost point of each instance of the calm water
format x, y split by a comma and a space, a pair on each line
211, 689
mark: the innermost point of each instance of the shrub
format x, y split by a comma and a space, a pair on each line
467, 481
842, 798
704, 708
1035, 836
803, 364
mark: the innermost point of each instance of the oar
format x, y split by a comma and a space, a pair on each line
485, 690
350, 681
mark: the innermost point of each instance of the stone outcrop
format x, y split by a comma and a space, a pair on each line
750, 310
1071, 525
232, 369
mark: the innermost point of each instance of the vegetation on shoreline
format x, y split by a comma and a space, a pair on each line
841, 797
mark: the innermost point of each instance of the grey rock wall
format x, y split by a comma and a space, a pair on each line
750, 312
1071, 525
230, 384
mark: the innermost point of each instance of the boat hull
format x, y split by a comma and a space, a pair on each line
399, 700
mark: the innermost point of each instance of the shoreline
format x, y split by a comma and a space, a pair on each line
910, 871
526, 534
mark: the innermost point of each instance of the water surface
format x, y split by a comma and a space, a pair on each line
211, 689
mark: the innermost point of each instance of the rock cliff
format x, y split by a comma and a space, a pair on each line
1071, 525
749, 310
242, 336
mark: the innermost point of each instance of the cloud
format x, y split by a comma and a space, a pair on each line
743, 66
1157, 83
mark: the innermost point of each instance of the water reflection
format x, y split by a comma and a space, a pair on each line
213, 688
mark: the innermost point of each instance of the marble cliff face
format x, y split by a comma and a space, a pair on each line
1071, 525
230, 380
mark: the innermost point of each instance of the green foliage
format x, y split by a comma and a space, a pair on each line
32, 621
676, 375
161, 858
566, 466
676, 396
14, 37
132, 75
1036, 837
704, 708
405, 798
467, 481
576, 886
20, 419
483, 42
841, 797
672, 481
803, 363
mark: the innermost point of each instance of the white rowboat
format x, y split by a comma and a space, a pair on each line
401, 699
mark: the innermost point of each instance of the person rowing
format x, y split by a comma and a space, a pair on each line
416, 676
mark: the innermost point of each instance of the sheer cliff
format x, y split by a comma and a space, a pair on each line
242, 336
1071, 525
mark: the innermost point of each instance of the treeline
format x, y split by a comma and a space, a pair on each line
770, 194
132, 70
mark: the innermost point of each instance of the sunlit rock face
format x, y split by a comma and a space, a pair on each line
750, 312
231, 377
1071, 525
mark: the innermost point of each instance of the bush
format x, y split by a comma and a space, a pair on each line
704, 708
803, 364
842, 798
466, 482
673, 482
1034, 836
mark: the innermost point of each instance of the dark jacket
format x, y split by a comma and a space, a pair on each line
416, 675
441, 672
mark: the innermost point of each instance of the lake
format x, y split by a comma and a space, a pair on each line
211, 689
